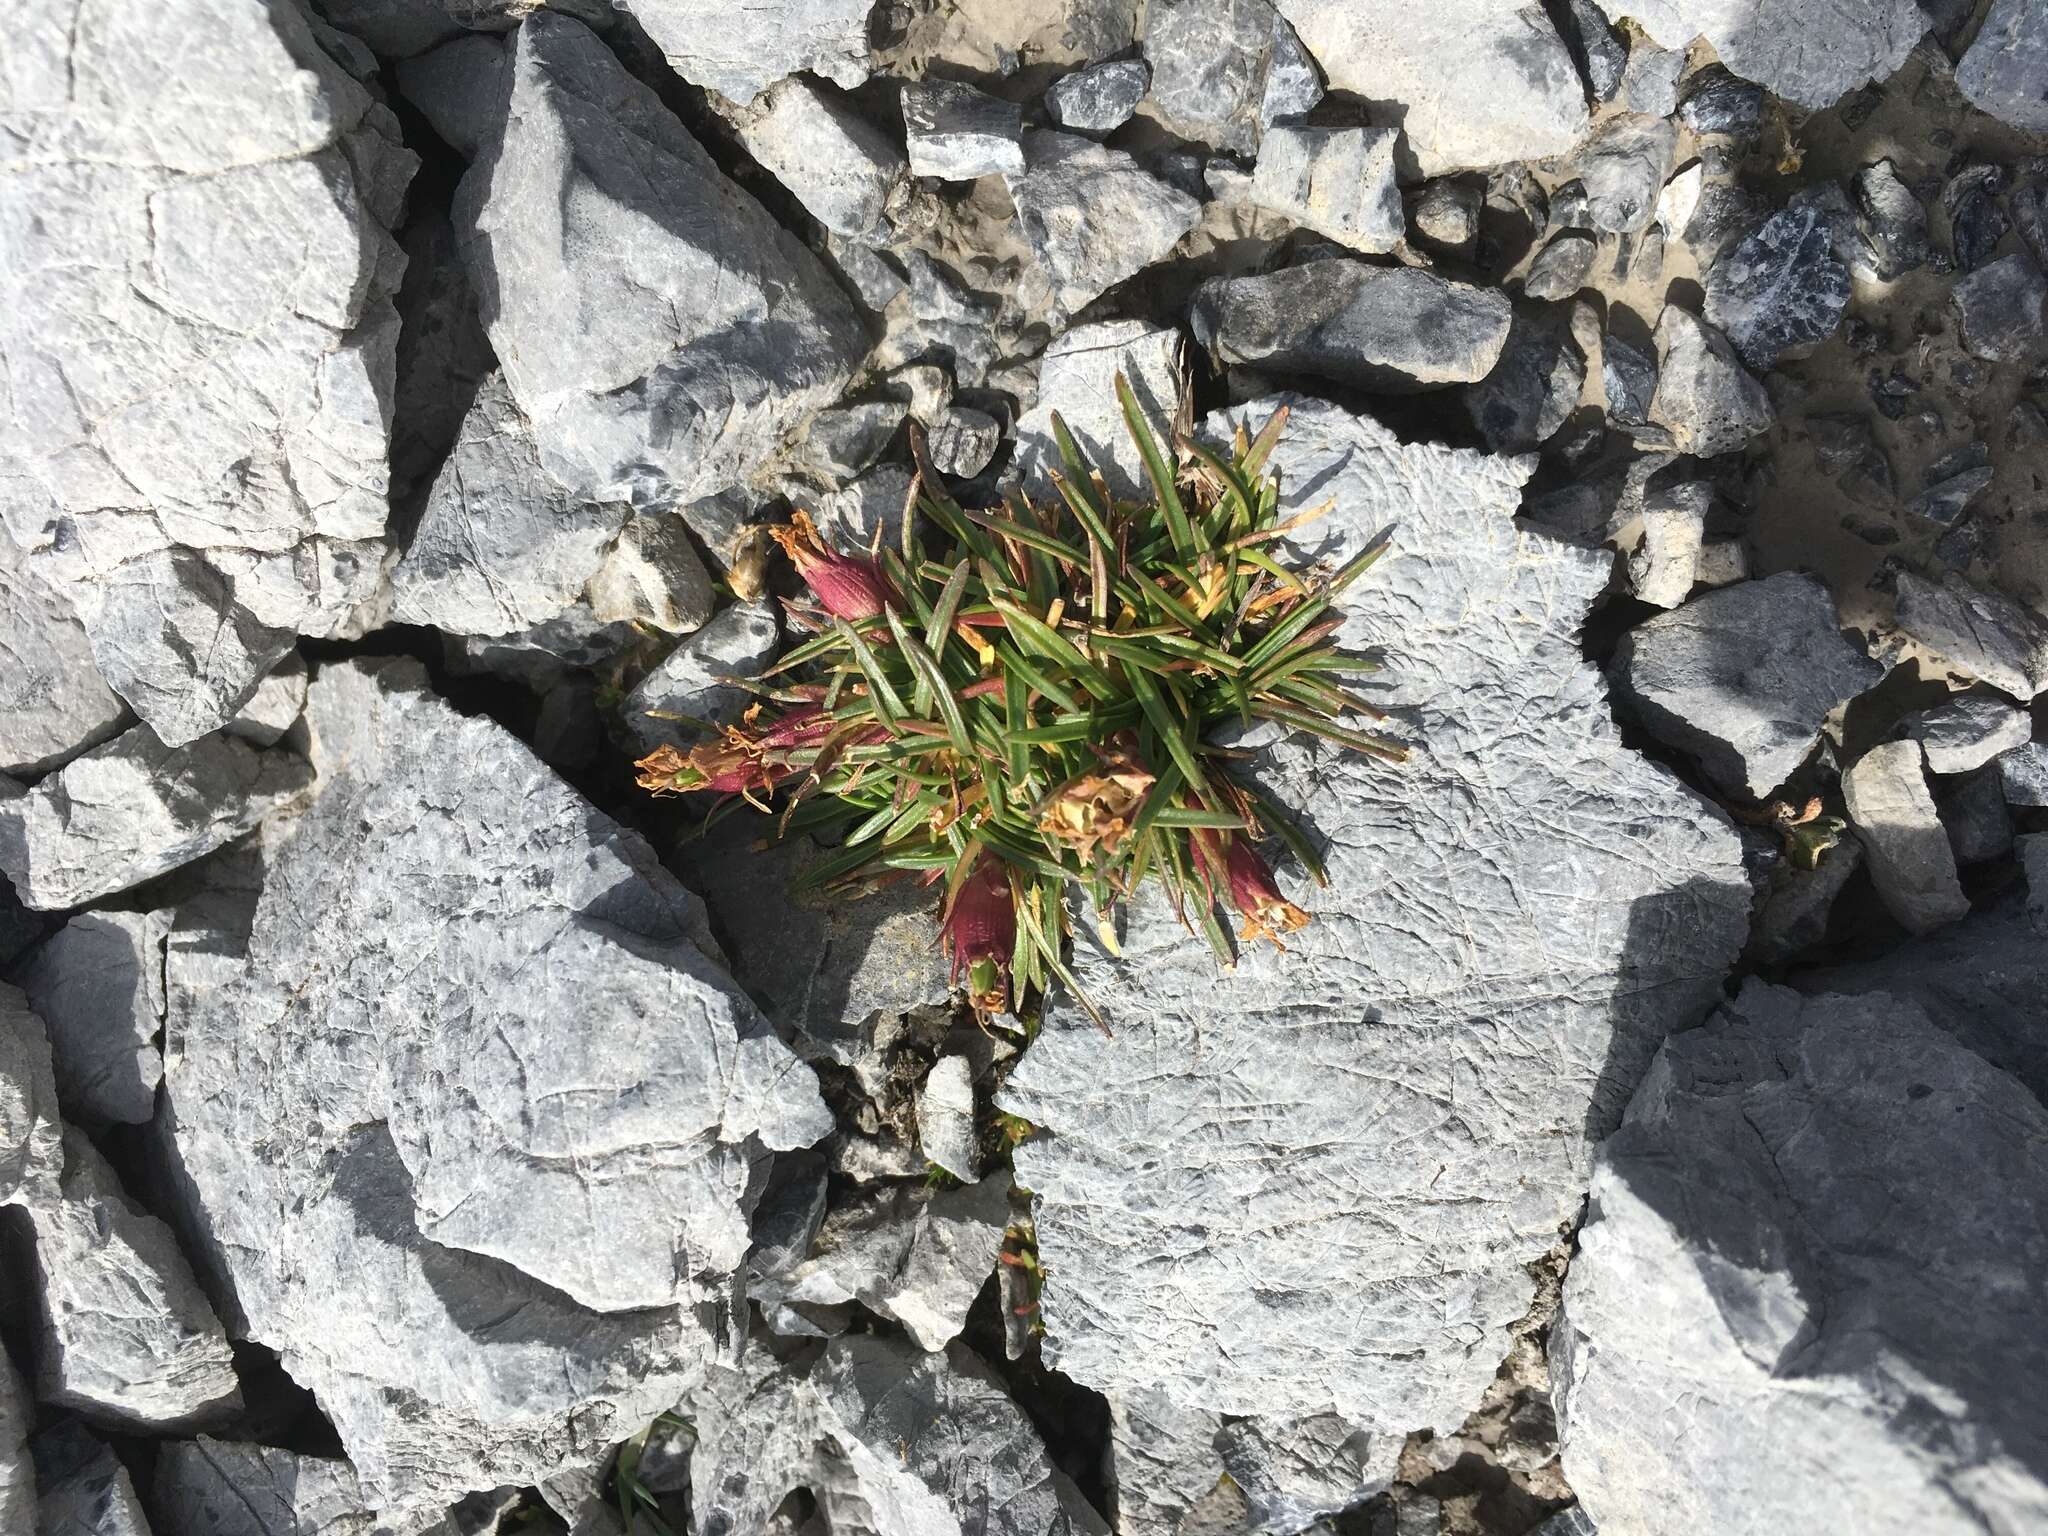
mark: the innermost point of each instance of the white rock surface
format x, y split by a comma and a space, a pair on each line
739, 48
1383, 1125
197, 336
493, 1092
840, 166
1077, 377
98, 986
1904, 846
1473, 83
1338, 182
134, 809
658, 329
1812, 52
945, 1118
1809, 1292
274, 708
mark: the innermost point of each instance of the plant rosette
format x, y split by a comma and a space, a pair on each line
1020, 704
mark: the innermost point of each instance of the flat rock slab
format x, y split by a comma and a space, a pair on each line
1807, 51
197, 328
1742, 677
657, 327
1310, 1186
1473, 83
1811, 1290
492, 1094
134, 809
52, 702
98, 985
739, 48
1077, 378
1904, 845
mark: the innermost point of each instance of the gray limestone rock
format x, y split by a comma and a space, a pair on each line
1623, 166
1967, 731
820, 966
2003, 309
197, 337
2023, 772
1163, 1461
1077, 378
1781, 289
1664, 566
1705, 398
1533, 386
1100, 98
658, 329
98, 985
52, 703
889, 1440
122, 1332
652, 576
1894, 222
1223, 71
1296, 1472
209, 1487
1349, 1124
1741, 678
963, 440
1650, 82
957, 133
908, 1255
1985, 635
461, 89
841, 441
841, 167
686, 683
1560, 268
1974, 812
854, 514
739, 48
501, 546
1447, 212
17, 1471
1904, 844
1384, 328
1810, 1287
1473, 83
945, 1118
1072, 187
1795, 904
134, 809
1599, 50
1781, 47
2005, 71
493, 1094
1338, 182
84, 1488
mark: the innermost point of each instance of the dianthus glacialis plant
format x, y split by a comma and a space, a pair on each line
1019, 704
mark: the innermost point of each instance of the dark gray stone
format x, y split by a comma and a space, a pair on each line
1070, 189
1100, 98
1985, 635
1968, 731
1894, 221
1560, 268
1376, 327
2023, 772
1223, 71
2005, 71
1781, 289
1629, 375
686, 686
1717, 105
2003, 309
957, 133
1534, 386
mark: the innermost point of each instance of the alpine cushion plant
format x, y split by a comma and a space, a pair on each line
1020, 704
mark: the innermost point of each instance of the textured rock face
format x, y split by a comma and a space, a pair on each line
1474, 82
196, 328
657, 328
497, 1080
17, 1472
956, 133
839, 166
224, 1488
687, 684
889, 1440
1809, 1289
1741, 678
123, 1334
1774, 45
1336, 181
1904, 846
501, 546
1223, 71
1983, 634
84, 1489
1968, 731
98, 985
1780, 289
134, 809
1391, 328
1353, 1124
1622, 167
1705, 398
2005, 70
739, 48
52, 702
1071, 187
1077, 377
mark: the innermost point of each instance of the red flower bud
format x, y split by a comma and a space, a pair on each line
981, 933
1244, 874
737, 764
847, 586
